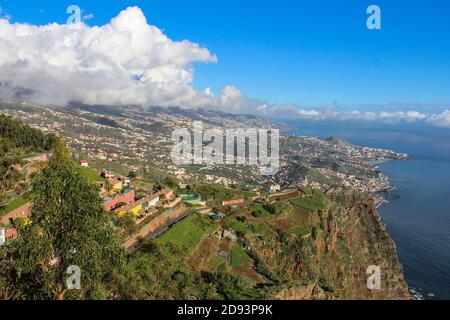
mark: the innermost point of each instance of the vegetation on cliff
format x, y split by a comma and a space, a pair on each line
318, 248
68, 227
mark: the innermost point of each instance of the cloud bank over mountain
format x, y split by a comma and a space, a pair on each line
126, 61
129, 61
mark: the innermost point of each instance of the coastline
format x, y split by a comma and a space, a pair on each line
374, 163
379, 201
380, 195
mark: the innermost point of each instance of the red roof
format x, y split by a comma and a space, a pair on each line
11, 233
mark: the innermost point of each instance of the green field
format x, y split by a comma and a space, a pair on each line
188, 233
313, 201
14, 204
236, 225
239, 258
215, 192
261, 229
91, 174
258, 210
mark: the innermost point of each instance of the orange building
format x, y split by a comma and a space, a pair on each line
233, 202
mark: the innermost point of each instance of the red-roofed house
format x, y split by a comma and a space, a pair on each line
84, 163
11, 233
126, 197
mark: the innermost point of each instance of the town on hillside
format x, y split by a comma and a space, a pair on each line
140, 208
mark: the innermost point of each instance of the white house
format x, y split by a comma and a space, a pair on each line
84, 163
2, 236
154, 201
270, 188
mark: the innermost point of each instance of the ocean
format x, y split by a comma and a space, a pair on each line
418, 210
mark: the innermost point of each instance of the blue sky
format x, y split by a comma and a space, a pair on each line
310, 53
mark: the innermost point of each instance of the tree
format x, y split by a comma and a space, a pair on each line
69, 228
132, 175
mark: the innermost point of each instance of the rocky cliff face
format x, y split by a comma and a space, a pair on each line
317, 246
359, 231
330, 260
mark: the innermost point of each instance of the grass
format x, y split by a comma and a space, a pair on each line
261, 229
302, 231
16, 203
239, 258
258, 211
188, 233
314, 200
91, 174
237, 225
215, 192
216, 263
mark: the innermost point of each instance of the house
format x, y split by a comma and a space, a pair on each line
11, 233
135, 208
270, 188
205, 211
182, 186
151, 201
84, 163
233, 202
42, 157
167, 194
116, 185
127, 197
2, 236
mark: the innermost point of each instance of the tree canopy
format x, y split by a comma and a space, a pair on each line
14, 134
69, 227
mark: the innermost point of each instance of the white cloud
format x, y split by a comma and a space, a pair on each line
319, 114
233, 100
440, 120
127, 61
87, 17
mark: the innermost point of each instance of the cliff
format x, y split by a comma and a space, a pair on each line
331, 258
310, 246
